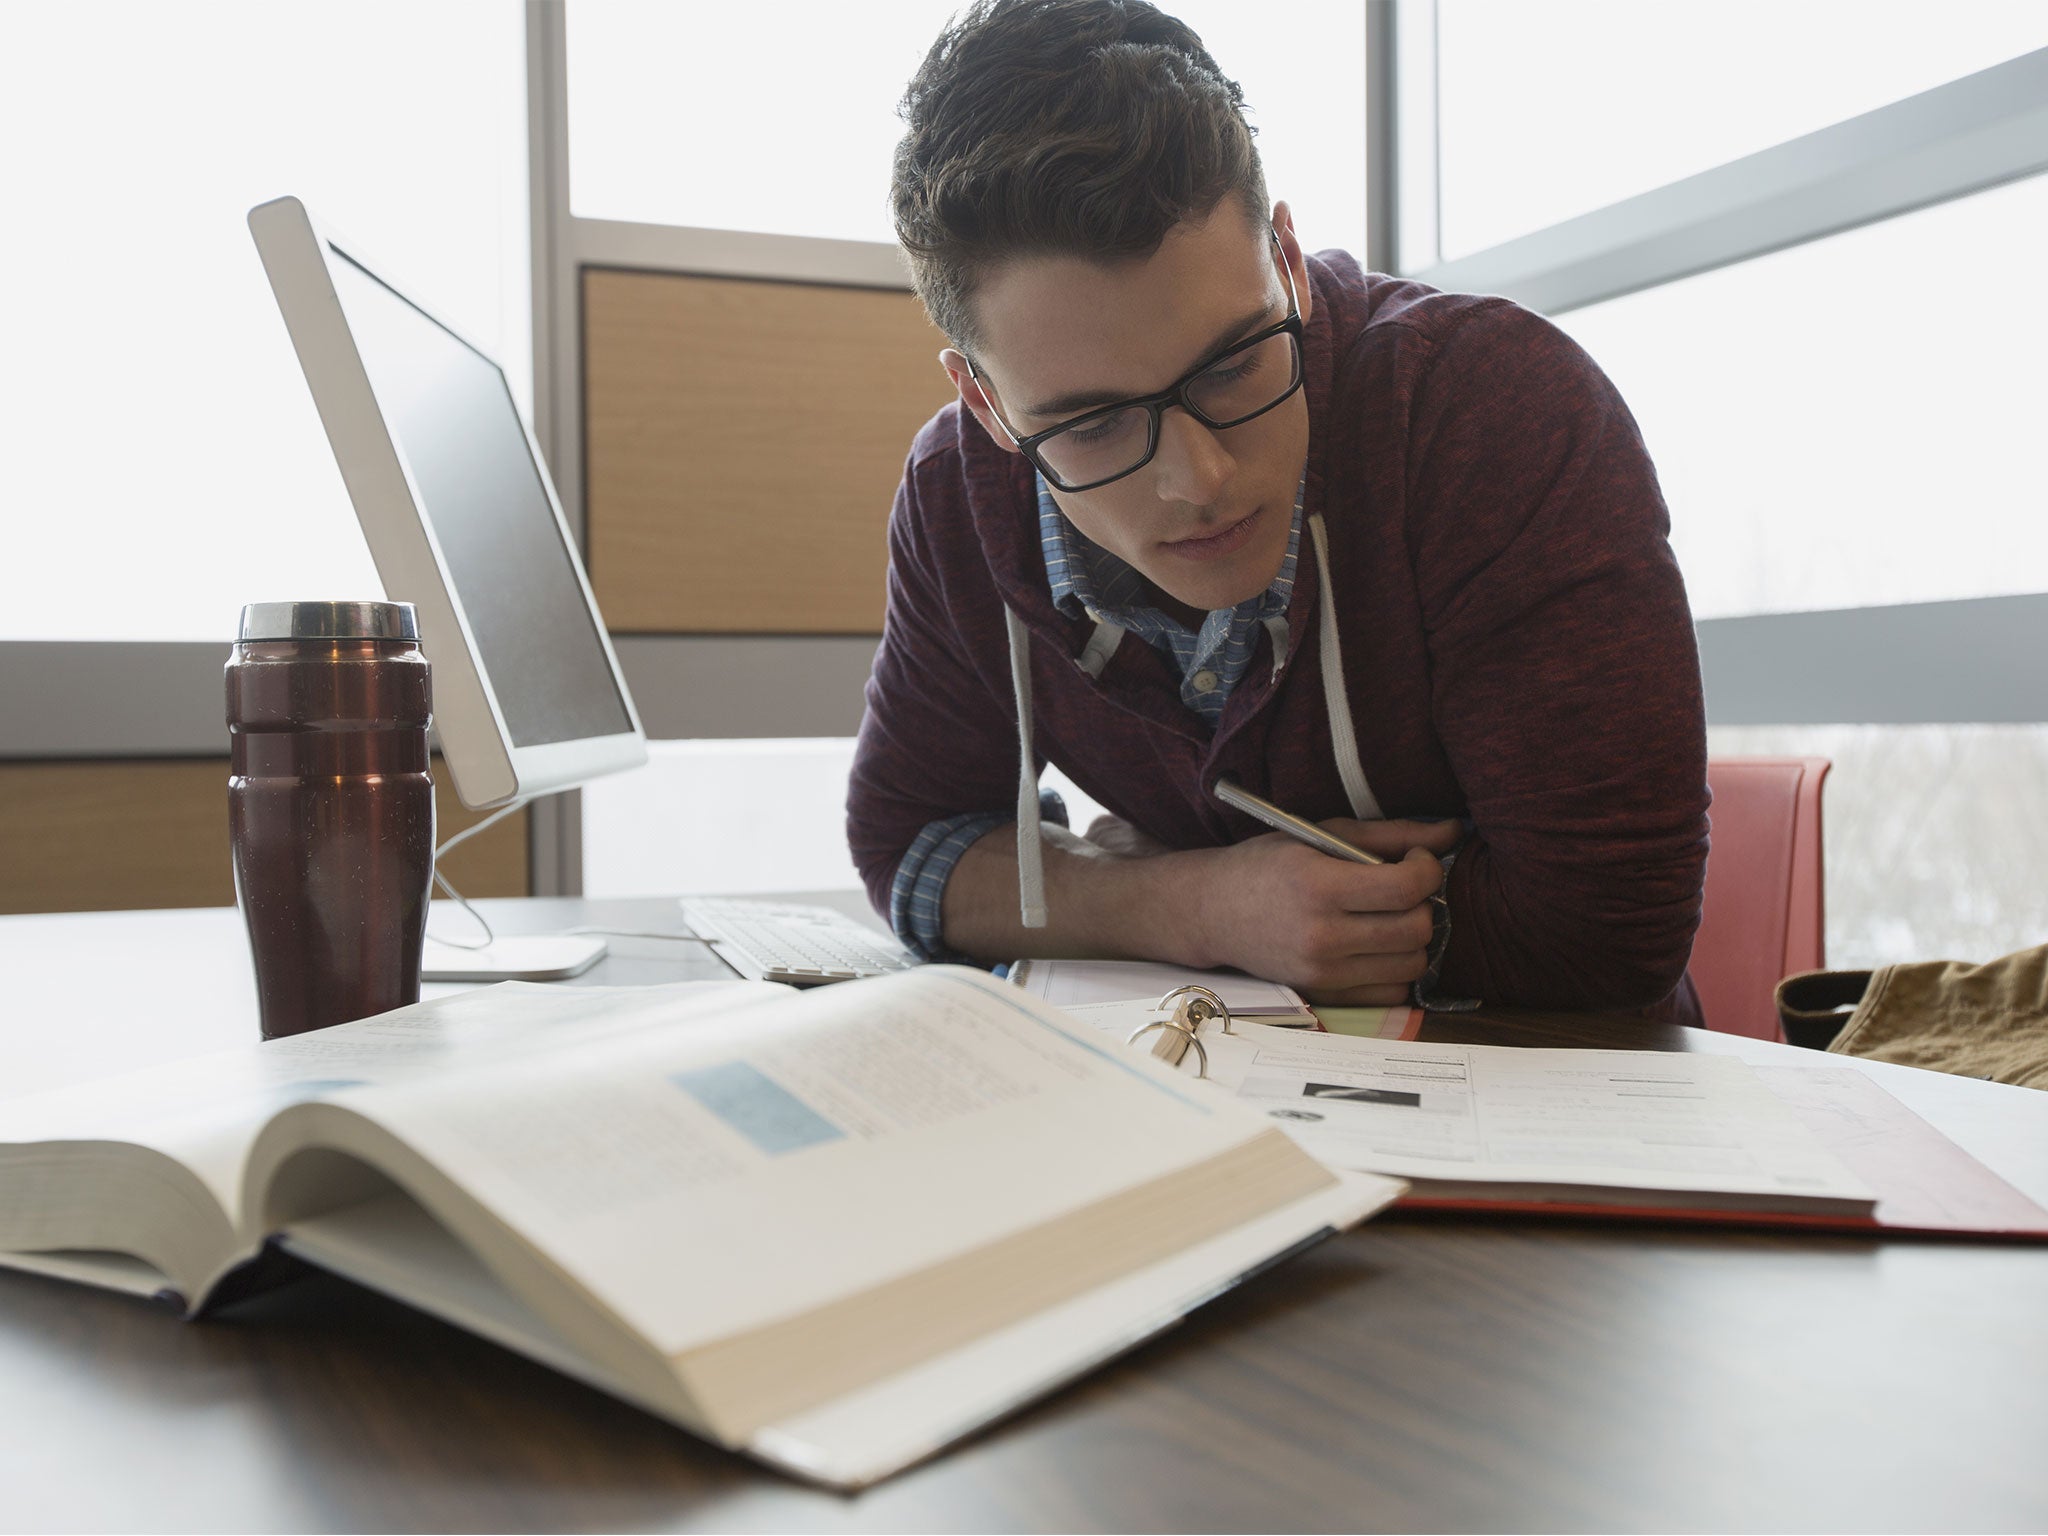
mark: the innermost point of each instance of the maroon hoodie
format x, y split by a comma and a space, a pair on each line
1516, 649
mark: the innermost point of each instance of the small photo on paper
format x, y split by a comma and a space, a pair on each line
1355, 1095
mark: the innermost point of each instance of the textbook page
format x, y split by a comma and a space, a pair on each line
1652, 1120
206, 1111
707, 1182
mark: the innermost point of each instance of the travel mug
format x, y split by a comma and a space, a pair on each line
330, 807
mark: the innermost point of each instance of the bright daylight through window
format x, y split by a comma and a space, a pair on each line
165, 462
1549, 110
1849, 422
728, 154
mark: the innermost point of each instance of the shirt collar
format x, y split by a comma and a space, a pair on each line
1087, 580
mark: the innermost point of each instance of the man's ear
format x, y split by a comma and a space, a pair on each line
975, 398
1290, 252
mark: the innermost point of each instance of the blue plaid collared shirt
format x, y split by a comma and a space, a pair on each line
1087, 579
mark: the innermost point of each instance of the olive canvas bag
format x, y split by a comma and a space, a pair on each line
1988, 1020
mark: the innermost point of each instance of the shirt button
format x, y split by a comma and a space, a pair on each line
1204, 681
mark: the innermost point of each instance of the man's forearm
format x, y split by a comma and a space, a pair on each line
1099, 905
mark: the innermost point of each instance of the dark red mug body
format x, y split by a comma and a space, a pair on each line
331, 818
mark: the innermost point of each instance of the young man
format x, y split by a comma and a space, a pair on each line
1211, 508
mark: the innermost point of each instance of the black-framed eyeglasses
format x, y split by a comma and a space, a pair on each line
1244, 381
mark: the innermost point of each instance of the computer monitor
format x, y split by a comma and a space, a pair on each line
464, 524
461, 520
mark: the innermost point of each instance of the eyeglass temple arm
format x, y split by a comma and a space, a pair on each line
982, 389
1286, 276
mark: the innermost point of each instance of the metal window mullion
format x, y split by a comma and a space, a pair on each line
1970, 661
1413, 157
556, 373
1967, 661
1962, 137
1436, 129
737, 253
1382, 138
555, 823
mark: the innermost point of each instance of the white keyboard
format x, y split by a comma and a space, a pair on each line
804, 946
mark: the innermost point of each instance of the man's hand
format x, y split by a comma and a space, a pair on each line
1346, 935
1350, 935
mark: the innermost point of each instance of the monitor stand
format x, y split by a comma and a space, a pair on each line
515, 957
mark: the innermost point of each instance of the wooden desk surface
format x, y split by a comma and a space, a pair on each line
1412, 1375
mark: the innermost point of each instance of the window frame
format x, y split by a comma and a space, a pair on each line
1977, 660
112, 699
1955, 662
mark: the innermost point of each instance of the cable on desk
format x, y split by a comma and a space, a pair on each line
634, 933
461, 900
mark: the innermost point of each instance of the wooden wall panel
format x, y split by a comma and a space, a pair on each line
743, 441
107, 836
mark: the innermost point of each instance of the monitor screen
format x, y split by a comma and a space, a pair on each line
452, 415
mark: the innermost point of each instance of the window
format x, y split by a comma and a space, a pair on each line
774, 119
1934, 835
1831, 349
1302, 66
1550, 110
710, 116
165, 461
1853, 421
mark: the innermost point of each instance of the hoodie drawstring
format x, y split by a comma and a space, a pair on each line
1101, 646
1030, 852
1343, 739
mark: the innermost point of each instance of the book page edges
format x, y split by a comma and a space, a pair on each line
1510, 1194
110, 1271
868, 1434
394, 1246
310, 1163
115, 1198
750, 1379
286, 1190
1859, 1222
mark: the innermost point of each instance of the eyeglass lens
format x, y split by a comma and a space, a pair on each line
1235, 388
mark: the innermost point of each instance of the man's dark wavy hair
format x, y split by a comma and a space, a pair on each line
1061, 127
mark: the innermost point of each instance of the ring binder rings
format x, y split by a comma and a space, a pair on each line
1182, 1029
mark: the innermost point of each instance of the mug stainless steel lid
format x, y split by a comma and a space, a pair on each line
329, 621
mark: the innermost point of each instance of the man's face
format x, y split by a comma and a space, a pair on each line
1206, 521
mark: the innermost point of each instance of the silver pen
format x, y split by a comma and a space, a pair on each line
1281, 821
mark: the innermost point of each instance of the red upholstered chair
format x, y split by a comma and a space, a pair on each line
1763, 915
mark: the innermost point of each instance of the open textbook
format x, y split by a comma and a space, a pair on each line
836, 1230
